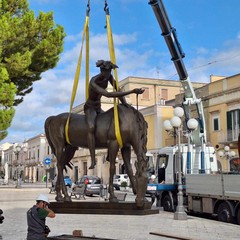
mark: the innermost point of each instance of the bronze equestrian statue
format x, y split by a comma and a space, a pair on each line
99, 128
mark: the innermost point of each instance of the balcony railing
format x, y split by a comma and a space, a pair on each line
230, 137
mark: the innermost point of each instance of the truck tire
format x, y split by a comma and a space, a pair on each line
225, 213
158, 201
167, 204
238, 217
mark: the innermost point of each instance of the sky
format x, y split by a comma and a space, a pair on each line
208, 31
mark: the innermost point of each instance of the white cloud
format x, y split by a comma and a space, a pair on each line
47, 1
51, 95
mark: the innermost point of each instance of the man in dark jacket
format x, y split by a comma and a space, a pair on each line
36, 218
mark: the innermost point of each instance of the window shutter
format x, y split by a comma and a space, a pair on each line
229, 120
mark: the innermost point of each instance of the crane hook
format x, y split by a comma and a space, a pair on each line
88, 8
106, 8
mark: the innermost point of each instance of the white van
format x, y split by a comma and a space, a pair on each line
118, 179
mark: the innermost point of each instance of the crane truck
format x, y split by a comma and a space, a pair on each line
205, 188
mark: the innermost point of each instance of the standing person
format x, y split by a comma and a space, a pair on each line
36, 218
152, 179
97, 88
54, 182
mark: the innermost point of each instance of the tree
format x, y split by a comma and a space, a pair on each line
29, 46
7, 94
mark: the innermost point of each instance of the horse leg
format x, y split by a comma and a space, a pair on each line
141, 180
60, 187
126, 154
58, 190
141, 174
66, 197
59, 197
91, 115
112, 152
67, 156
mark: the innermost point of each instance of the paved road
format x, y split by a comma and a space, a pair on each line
15, 203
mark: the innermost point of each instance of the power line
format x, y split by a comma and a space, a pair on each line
209, 63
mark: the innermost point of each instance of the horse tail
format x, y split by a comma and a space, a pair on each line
47, 132
142, 131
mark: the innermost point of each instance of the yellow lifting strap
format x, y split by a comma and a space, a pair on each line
77, 74
113, 60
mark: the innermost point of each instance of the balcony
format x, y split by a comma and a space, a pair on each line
230, 138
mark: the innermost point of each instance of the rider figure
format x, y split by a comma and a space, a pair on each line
97, 88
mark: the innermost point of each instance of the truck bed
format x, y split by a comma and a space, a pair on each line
214, 185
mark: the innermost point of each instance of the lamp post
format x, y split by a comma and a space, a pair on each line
227, 153
176, 123
192, 124
17, 149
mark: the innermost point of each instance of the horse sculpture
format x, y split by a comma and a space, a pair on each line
133, 129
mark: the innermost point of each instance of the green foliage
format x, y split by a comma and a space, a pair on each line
7, 94
29, 46
124, 184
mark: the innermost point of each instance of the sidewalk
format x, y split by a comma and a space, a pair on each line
12, 184
15, 203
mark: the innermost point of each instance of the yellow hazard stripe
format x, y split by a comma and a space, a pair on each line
113, 60
87, 60
77, 74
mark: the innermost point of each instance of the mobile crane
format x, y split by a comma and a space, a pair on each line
205, 190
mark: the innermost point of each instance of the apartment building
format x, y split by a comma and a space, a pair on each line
37, 150
25, 160
221, 103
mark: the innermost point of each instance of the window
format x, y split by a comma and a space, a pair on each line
84, 168
48, 150
33, 157
150, 162
145, 94
164, 94
233, 122
215, 124
234, 165
215, 121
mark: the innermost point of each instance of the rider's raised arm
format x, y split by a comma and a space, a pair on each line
107, 94
114, 84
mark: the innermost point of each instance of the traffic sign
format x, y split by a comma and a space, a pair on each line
47, 160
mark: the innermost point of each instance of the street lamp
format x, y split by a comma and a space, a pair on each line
227, 153
180, 213
17, 149
176, 123
192, 124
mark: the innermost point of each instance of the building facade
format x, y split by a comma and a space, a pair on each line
221, 103
222, 114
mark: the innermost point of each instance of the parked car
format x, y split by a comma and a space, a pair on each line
92, 184
68, 181
118, 179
